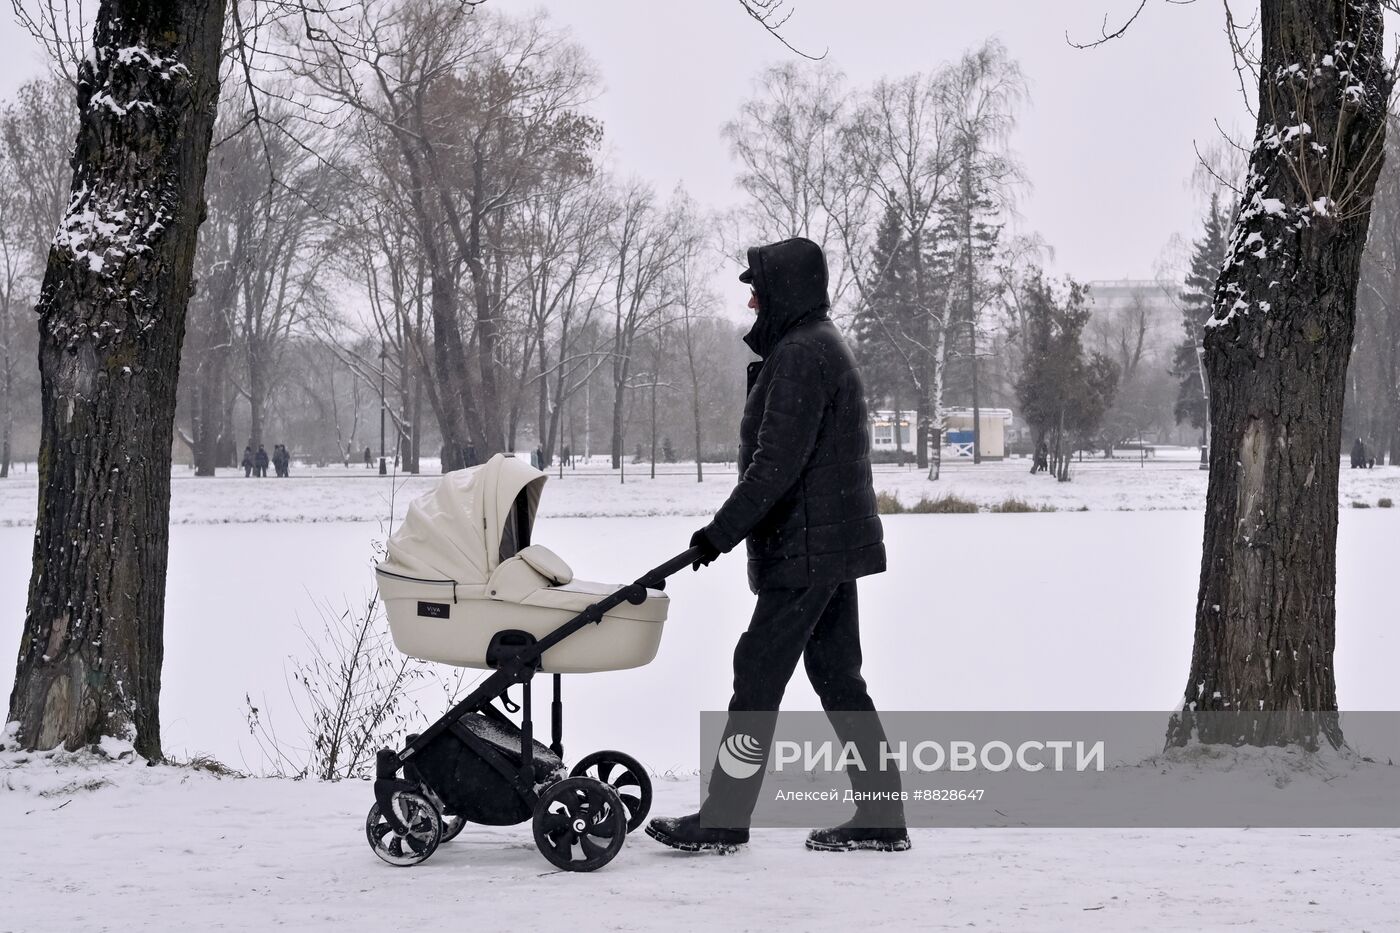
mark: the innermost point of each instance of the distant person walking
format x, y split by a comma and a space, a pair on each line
281, 460
1041, 460
369, 458
1358, 455
247, 462
567, 457
260, 462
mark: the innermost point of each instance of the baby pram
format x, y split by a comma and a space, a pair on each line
463, 585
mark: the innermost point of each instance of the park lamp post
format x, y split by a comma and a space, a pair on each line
383, 465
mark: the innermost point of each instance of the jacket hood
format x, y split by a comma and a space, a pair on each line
790, 280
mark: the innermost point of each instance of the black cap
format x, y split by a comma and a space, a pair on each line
746, 276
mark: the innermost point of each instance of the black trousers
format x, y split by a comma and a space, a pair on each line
820, 625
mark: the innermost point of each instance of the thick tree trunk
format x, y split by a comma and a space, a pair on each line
450, 361
450, 395
111, 322
208, 427
1276, 350
257, 392
228, 437
210, 352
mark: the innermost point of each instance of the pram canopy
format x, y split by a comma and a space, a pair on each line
461, 579
474, 519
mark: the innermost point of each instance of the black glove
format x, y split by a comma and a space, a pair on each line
702, 541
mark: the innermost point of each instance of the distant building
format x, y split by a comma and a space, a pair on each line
1134, 318
882, 431
957, 436
957, 432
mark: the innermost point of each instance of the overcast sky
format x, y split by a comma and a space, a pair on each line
1106, 137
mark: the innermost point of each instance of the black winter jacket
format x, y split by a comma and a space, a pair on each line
805, 498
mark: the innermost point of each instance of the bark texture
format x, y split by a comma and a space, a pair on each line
1276, 351
111, 322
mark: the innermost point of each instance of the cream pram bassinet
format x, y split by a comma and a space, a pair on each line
462, 584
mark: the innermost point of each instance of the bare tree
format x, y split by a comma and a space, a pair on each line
694, 302
983, 90
786, 140
36, 141
562, 236
644, 245
901, 151
13, 256
478, 109
278, 279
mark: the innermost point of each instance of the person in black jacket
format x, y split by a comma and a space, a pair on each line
805, 503
260, 462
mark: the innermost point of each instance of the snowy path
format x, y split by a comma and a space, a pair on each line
164, 849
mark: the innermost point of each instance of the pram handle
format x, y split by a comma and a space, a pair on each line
655, 579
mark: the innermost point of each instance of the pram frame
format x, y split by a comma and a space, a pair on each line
518, 666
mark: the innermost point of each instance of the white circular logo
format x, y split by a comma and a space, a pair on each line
740, 756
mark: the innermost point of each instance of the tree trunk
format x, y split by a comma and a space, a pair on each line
257, 391
617, 439
210, 383
7, 396
207, 426
938, 349
695, 413
1276, 359
619, 409
111, 322
970, 273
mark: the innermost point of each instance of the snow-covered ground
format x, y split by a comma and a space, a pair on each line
161, 848
1035, 611
1170, 481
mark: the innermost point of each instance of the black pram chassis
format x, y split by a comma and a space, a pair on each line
451, 773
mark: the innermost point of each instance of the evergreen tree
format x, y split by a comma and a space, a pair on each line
889, 342
1063, 393
1197, 299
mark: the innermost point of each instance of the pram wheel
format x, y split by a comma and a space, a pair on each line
624, 774
424, 830
580, 824
452, 826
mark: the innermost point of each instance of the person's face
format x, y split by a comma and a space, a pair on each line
753, 301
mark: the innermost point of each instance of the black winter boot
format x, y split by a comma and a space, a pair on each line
851, 836
686, 833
